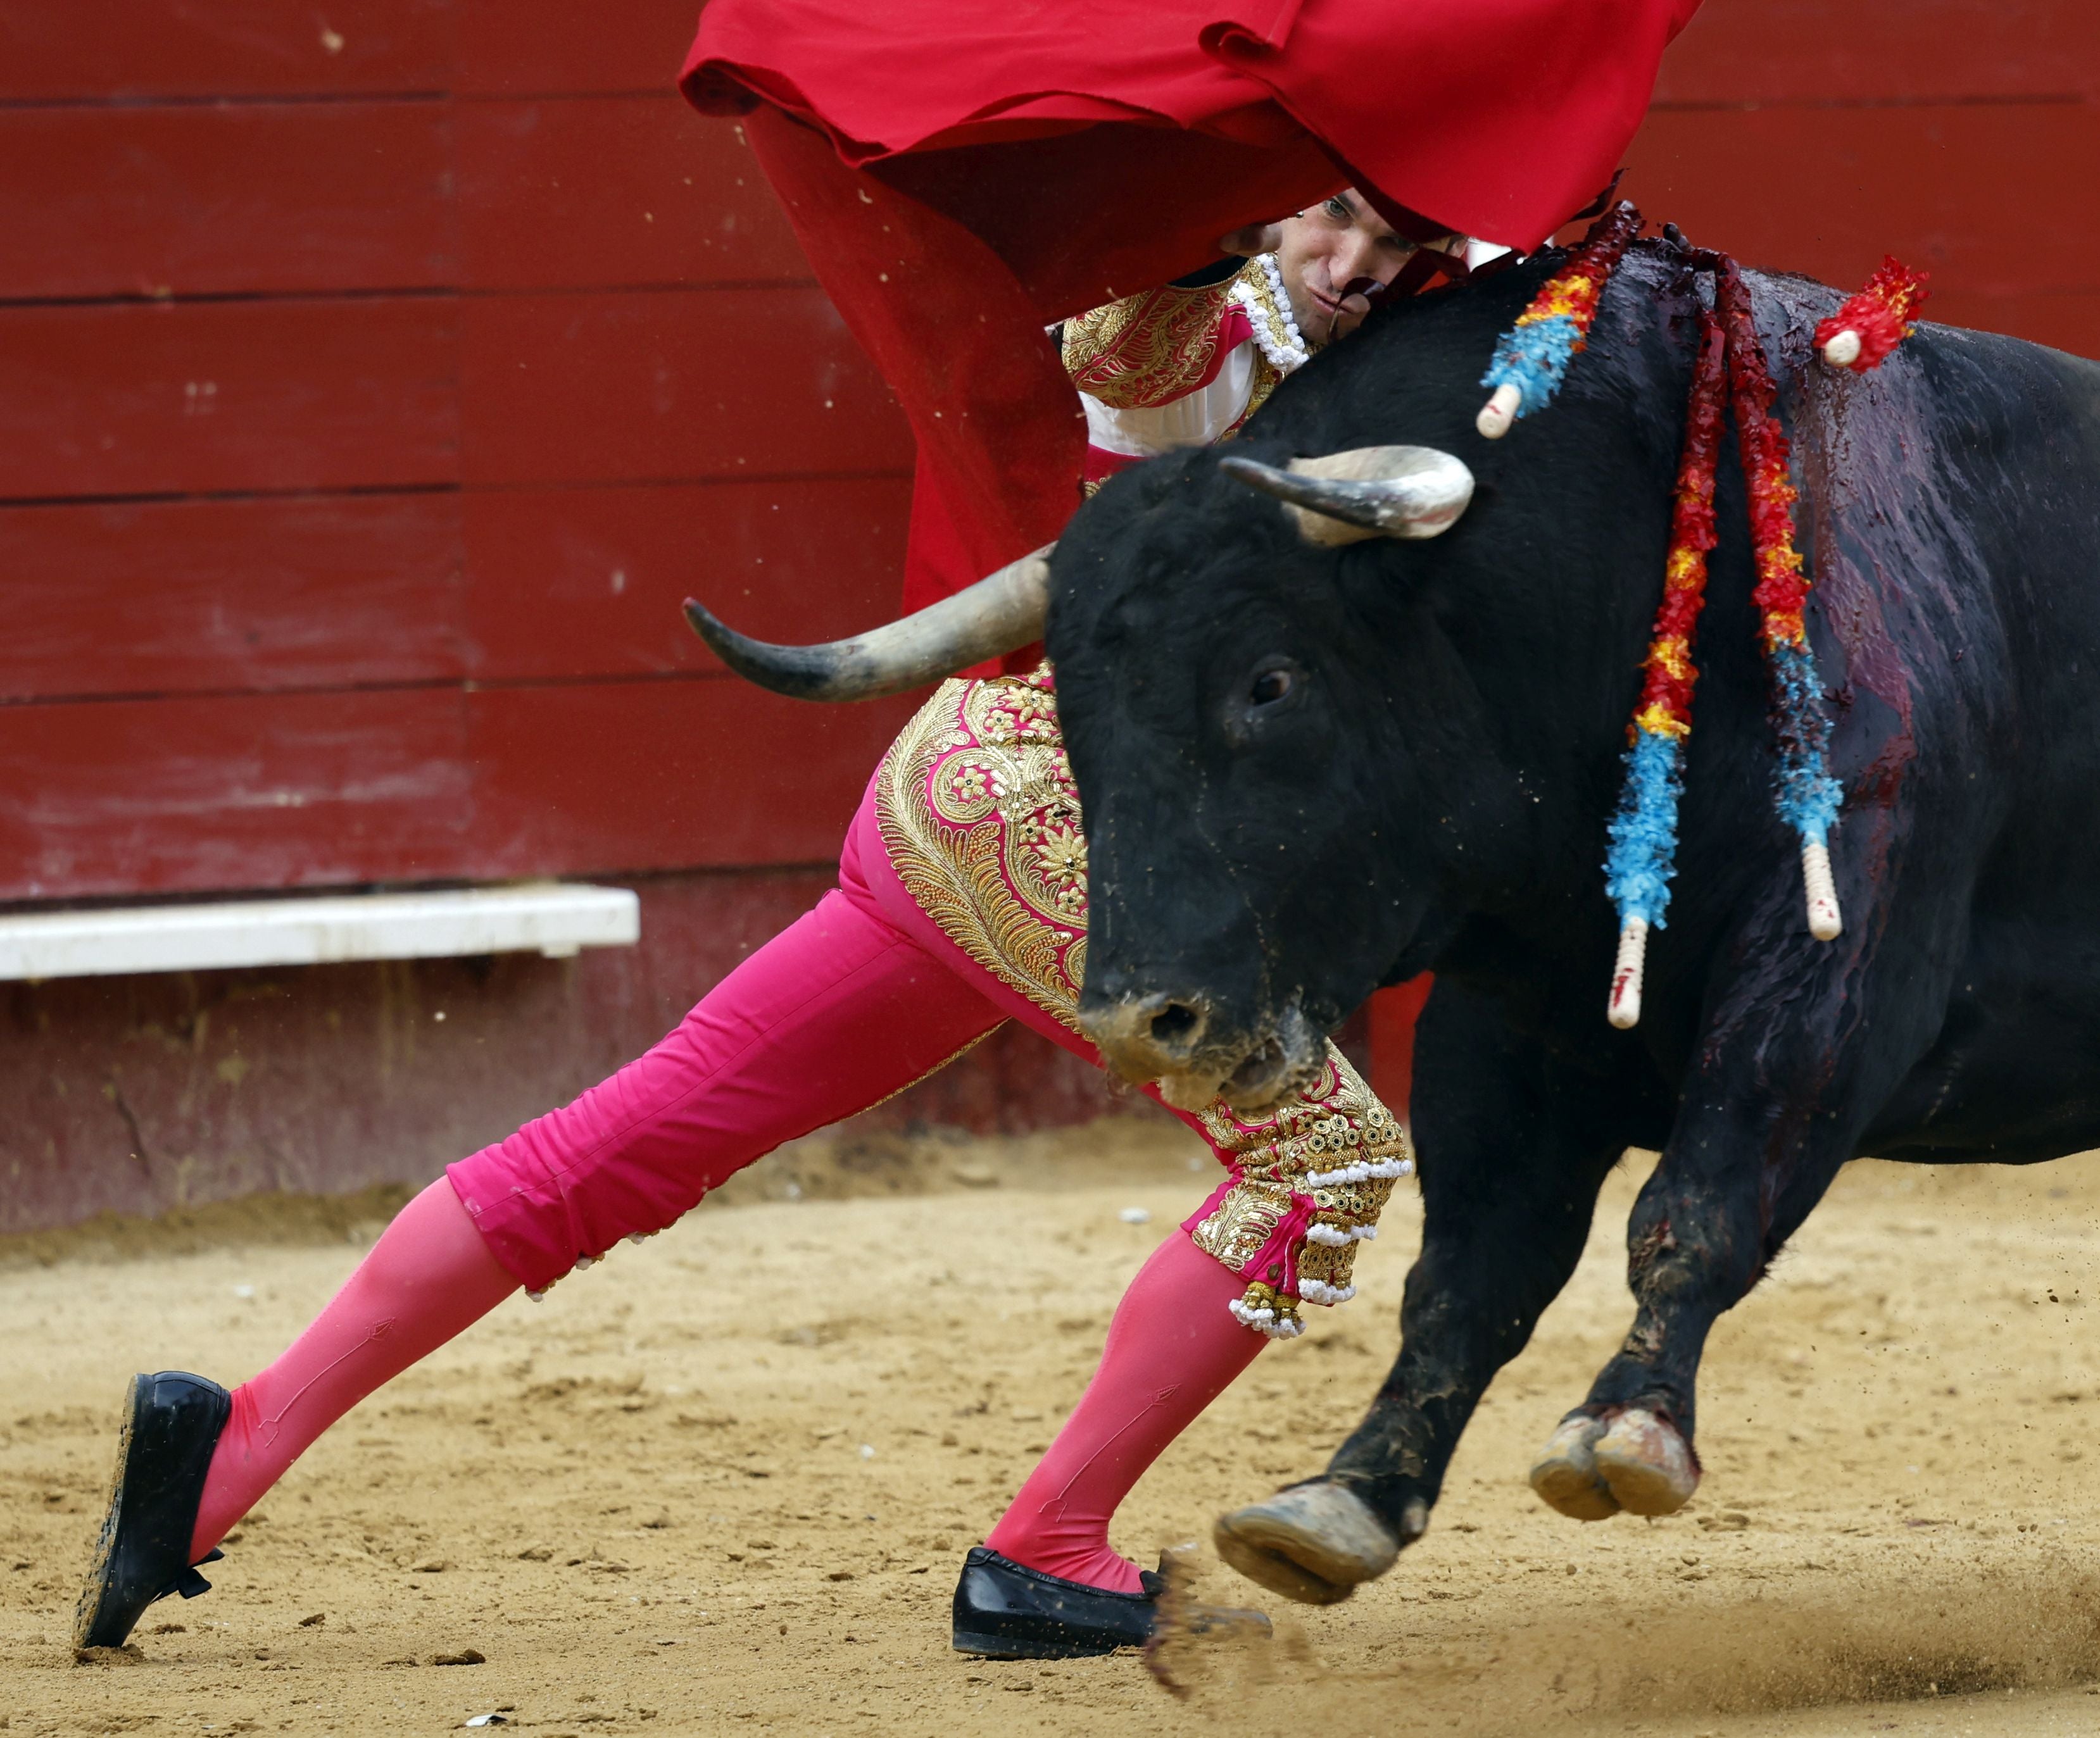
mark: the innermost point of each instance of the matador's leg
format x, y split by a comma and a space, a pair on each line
833, 1014
975, 847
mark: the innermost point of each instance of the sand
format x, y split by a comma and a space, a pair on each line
723, 1481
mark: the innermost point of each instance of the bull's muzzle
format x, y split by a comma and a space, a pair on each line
1175, 1039
1155, 1037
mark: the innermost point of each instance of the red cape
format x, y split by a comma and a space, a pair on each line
961, 173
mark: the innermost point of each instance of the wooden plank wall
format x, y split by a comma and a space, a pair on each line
1961, 135
375, 378
374, 381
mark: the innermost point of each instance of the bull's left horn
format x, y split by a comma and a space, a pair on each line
995, 616
1368, 491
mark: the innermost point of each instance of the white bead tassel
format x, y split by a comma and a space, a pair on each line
1500, 411
1841, 352
1361, 1171
1288, 354
1624, 1010
1823, 922
1266, 1323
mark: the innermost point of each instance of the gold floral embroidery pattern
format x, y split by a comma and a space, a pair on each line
1243, 1224
981, 819
1146, 350
1267, 376
1149, 349
1266, 380
1331, 1153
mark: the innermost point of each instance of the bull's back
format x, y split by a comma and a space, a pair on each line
1966, 478
2017, 432
2007, 452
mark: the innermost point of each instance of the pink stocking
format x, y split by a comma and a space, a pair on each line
1172, 1349
429, 1276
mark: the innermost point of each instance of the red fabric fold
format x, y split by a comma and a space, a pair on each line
1033, 160
1497, 118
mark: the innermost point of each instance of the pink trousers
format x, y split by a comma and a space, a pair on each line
854, 1001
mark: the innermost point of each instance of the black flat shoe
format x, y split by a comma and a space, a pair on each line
1004, 1611
171, 1424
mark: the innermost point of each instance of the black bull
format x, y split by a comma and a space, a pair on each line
1308, 772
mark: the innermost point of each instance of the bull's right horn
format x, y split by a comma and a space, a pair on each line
1366, 492
995, 616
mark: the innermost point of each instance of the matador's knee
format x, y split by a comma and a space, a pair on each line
1310, 1176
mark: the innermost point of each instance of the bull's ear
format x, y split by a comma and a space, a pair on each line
1367, 491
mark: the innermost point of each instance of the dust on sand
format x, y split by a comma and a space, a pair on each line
724, 1480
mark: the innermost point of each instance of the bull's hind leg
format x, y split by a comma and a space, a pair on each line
1513, 1151
1790, 1073
1701, 1236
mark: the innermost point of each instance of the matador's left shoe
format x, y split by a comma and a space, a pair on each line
1006, 1611
171, 1423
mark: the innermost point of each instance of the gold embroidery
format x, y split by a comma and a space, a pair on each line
1146, 349
1267, 378
1240, 1226
1336, 1124
1268, 310
981, 819
1331, 1265
1149, 349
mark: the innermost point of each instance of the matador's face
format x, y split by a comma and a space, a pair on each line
1330, 255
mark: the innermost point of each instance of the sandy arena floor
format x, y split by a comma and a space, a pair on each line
724, 1480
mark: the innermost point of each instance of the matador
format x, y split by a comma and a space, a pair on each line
962, 895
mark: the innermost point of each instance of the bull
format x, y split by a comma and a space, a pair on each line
1316, 759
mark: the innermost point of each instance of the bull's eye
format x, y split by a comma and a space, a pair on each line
1271, 686
1269, 695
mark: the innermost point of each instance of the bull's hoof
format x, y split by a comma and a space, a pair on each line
1311, 1543
1566, 1474
1647, 1463
1633, 1460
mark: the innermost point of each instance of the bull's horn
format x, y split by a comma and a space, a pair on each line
994, 617
1368, 491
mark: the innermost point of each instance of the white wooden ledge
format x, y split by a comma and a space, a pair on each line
549, 918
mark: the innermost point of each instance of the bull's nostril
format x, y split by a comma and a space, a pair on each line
1174, 1024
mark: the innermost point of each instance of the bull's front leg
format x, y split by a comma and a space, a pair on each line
1514, 1150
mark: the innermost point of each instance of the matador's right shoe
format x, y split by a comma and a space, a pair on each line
171, 1423
1007, 1611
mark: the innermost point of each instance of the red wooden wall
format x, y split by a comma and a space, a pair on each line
375, 378
1962, 135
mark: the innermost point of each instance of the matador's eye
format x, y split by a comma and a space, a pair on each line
1271, 686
